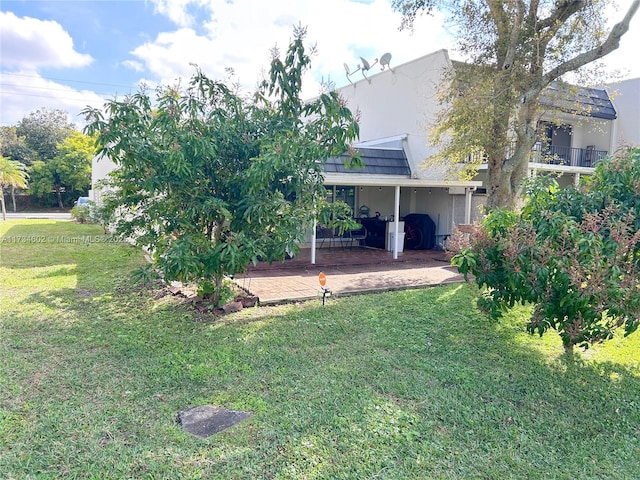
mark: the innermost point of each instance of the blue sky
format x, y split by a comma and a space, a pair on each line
69, 54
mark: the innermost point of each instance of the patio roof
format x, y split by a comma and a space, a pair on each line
383, 166
377, 161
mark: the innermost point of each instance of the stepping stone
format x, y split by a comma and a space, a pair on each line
205, 420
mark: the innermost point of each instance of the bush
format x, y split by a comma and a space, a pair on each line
210, 181
102, 214
572, 253
81, 213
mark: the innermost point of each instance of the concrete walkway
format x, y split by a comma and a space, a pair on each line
349, 273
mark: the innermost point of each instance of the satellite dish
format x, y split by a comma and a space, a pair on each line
385, 59
347, 69
365, 64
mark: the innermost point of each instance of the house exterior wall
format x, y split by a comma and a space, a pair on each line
458, 209
626, 99
100, 167
401, 101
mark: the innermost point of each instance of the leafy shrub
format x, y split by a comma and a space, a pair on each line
209, 181
80, 213
572, 253
103, 213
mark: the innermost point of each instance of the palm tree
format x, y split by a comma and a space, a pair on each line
12, 174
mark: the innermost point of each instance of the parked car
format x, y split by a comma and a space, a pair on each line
82, 201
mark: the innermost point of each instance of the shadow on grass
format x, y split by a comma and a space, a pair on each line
414, 384
422, 378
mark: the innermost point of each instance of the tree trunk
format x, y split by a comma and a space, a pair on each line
500, 194
59, 196
4, 210
568, 349
216, 296
508, 173
13, 198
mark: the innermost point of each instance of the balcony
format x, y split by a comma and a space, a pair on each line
555, 155
571, 157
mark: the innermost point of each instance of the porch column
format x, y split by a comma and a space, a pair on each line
467, 204
313, 242
576, 180
396, 218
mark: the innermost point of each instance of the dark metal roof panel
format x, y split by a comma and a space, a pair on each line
377, 161
590, 102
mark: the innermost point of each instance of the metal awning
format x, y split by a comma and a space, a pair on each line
377, 161
589, 102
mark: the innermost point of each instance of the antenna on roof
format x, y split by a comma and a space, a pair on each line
384, 61
366, 66
349, 72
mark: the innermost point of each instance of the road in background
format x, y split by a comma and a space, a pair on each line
39, 215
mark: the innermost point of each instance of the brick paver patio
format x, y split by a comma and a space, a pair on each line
348, 272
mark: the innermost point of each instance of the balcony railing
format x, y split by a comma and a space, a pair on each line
574, 157
554, 155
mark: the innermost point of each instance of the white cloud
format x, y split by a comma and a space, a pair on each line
25, 91
624, 59
220, 34
171, 54
31, 43
133, 65
177, 10
240, 35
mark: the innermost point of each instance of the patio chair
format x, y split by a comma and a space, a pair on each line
358, 235
325, 234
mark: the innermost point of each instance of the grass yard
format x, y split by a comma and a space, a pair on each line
404, 385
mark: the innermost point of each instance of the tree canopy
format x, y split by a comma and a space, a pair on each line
69, 171
516, 49
43, 130
210, 181
14, 147
574, 254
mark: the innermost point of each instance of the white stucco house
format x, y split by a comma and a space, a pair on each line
626, 99
397, 105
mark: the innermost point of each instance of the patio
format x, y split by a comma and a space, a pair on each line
348, 272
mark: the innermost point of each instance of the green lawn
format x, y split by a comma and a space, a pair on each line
414, 384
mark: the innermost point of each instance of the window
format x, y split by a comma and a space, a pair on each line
341, 193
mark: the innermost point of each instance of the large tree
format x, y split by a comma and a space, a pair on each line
43, 131
12, 174
14, 147
209, 180
516, 49
69, 171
